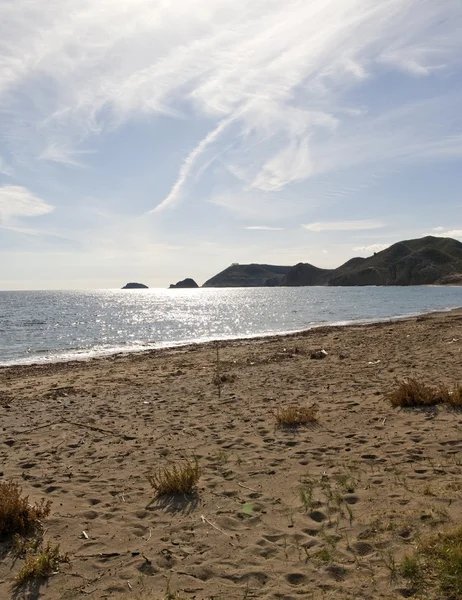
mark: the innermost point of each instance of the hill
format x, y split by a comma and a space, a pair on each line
423, 261
252, 275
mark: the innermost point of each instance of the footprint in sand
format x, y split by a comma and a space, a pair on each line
296, 578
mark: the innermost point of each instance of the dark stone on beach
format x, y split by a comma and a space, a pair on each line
318, 354
135, 286
185, 283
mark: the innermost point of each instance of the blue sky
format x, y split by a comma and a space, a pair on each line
150, 141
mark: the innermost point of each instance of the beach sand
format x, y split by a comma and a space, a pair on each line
375, 479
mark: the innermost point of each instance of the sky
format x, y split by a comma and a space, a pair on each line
153, 140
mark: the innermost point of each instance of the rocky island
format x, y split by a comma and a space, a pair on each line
185, 283
135, 286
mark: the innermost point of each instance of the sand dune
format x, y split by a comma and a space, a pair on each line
322, 512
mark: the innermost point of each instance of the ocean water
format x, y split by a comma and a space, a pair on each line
63, 325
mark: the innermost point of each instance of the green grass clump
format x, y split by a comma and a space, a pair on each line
296, 416
43, 564
179, 478
411, 569
17, 515
438, 560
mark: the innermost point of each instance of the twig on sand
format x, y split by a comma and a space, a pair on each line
246, 487
99, 555
76, 424
92, 427
42, 426
204, 520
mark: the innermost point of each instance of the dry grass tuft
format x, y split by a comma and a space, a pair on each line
17, 516
179, 478
43, 564
296, 416
222, 378
452, 397
412, 393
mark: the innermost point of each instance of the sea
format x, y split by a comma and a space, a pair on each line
51, 326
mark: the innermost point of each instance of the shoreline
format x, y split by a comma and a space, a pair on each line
187, 344
321, 512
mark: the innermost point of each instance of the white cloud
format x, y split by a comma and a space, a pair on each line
371, 248
343, 225
264, 228
455, 233
280, 72
18, 201
441, 232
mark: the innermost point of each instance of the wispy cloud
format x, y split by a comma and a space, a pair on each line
190, 163
343, 225
252, 205
264, 228
5, 169
63, 154
284, 74
35, 232
18, 201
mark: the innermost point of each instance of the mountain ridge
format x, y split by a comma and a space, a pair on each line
429, 260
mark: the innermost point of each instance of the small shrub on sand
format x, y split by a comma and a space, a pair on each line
439, 559
452, 397
296, 416
221, 379
43, 564
414, 393
179, 478
16, 514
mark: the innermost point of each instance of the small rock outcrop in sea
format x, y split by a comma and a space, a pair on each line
135, 286
186, 283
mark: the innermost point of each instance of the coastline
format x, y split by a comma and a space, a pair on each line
84, 433
187, 344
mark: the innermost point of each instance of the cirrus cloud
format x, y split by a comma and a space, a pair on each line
283, 74
344, 225
264, 228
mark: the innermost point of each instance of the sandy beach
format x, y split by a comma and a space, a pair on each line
320, 512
